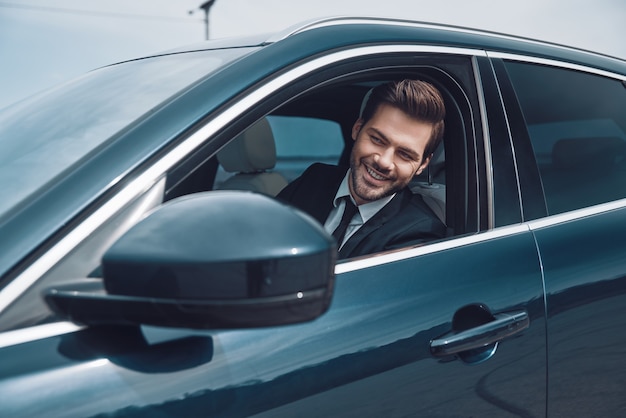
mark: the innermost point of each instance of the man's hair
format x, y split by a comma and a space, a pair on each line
418, 99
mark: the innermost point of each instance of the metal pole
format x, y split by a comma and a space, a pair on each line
206, 6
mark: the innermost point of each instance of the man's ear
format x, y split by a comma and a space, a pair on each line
356, 128
423, 165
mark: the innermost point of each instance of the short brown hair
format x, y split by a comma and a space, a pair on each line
419, 99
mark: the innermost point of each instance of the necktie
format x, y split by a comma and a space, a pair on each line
348, 213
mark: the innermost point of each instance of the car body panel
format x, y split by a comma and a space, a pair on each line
585, 287
115, 369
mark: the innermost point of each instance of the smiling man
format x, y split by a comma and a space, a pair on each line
369, 207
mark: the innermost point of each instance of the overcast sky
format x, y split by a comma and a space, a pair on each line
46, 42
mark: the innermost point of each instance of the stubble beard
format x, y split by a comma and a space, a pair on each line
366, 192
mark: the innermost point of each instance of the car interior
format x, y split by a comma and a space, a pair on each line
314, 127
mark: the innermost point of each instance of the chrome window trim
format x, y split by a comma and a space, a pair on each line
576, 214
404, 254
556, 63
318, 23
373, 20
152, 175
25, 335
487, 146
501, 232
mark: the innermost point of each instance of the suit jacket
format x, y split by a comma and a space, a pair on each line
406, 220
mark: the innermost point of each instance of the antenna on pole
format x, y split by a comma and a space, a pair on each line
206, 6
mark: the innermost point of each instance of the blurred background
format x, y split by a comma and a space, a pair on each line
46, 42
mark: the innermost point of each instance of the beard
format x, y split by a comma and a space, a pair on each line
365, 190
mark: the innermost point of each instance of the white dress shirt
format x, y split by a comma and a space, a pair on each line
365, 211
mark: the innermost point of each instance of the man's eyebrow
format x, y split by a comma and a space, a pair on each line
409, 151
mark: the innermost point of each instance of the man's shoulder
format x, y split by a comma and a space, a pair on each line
313, 191
415, 199
415, 203
406, 209
317, 178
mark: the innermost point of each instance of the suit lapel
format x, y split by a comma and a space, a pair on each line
390, 210
314, 191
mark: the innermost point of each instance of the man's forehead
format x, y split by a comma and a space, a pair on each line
393, 124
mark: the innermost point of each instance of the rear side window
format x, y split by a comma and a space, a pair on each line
299, 142
302, 141
577, 126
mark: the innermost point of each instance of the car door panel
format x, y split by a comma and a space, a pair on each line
367, 356
572, 116
585, 274
416, 312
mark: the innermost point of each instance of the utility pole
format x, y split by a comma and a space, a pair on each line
206, 6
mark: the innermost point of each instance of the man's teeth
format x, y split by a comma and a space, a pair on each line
374, 174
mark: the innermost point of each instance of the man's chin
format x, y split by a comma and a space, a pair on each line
372, 195
368, 192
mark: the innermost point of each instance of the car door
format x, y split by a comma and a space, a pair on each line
576, 123
418, 295
450, 328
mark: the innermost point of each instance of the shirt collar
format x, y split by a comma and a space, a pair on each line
366, 210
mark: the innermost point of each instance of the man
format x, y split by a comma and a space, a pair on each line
369, 206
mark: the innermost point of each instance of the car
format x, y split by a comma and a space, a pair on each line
148, 269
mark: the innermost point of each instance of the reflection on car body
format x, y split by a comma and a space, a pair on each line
134, 281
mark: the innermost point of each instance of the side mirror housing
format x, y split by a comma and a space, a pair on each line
222, 259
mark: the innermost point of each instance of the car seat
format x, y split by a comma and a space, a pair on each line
430, 185
251, 155
584, 171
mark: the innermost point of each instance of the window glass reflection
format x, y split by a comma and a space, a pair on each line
42, 136
577, 127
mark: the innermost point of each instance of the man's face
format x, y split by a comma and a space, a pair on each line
388, 151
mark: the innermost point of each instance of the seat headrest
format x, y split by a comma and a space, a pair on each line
252, 151
601, 153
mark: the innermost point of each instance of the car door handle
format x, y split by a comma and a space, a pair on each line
504, 325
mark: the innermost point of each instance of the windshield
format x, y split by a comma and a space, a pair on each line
46, 134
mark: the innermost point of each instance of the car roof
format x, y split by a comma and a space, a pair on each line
322, 34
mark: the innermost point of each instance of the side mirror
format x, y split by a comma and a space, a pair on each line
222, 259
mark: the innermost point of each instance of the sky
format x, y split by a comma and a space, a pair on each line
46, 42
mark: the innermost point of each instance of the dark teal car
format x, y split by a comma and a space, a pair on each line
140, 276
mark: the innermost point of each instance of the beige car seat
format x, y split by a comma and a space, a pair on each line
251, 155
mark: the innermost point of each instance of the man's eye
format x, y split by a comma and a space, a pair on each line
376, 140
406, 156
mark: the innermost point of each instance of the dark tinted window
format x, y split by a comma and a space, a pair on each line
577, 126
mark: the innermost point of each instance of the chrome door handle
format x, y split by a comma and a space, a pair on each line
504, 325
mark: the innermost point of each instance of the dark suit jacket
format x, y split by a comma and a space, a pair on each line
404, 221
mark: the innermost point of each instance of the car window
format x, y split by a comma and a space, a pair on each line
318, 140
577, 126
73, 121
299, 142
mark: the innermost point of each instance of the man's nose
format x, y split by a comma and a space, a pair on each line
385, 159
